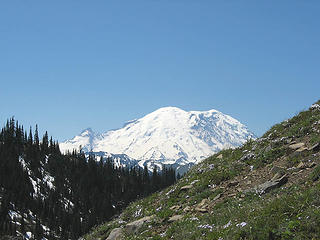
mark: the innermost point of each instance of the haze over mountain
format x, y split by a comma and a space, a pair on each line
168, 135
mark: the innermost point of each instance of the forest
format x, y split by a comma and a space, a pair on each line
47, 194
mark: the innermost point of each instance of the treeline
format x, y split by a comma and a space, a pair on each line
62, 196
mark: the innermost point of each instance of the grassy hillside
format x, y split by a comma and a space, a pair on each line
266, 189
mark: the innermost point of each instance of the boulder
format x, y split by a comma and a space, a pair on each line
115, 234
204, 202
247, 156
302, 149
134, 227
187, 209
194, 181
220, 156
203, 206
186, 187
301, 165
277, 176
296, 146
175, 207
315, 106
217, 197
272, 184
175, 218
201, 210
311, 164
277, 169
268, 148
232, 183
315, 147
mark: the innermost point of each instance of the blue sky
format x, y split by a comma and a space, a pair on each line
68, 65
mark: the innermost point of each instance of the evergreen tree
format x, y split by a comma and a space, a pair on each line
67, 193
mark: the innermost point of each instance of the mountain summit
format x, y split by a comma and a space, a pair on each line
167, 135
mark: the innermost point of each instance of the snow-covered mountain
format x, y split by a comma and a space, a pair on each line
168, 135
119, 160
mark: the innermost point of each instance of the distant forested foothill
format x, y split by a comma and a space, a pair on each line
45, 194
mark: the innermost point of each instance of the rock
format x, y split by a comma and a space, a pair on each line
289, 141
220, 156
175, 207
247, 156
311, 165
134, 227
268, 148
232, 195
277, 169
204, 202
115, 234
187, 209
201, 210
297, 154
171, 191
296, 146
203, 206
277, 176
217, 197
269, 185
302, 149
175, 218
195, 181
232, 183
186, 187
301, 165
315, 106
315, 147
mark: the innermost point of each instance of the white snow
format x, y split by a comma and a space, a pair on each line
47, 178
168, 134
14, 215
29, 235
83, 141
67, 203
315, 106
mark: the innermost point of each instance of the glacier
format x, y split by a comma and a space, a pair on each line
168, 135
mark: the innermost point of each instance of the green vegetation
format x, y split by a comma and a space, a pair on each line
62, 196
219, 197
315, 175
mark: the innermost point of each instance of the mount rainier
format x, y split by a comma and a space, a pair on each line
168, 135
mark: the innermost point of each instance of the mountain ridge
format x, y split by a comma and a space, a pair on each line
268, 188
167, 134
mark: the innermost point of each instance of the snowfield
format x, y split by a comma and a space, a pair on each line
167, 135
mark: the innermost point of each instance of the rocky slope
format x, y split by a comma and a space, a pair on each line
167, 136
267, 189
